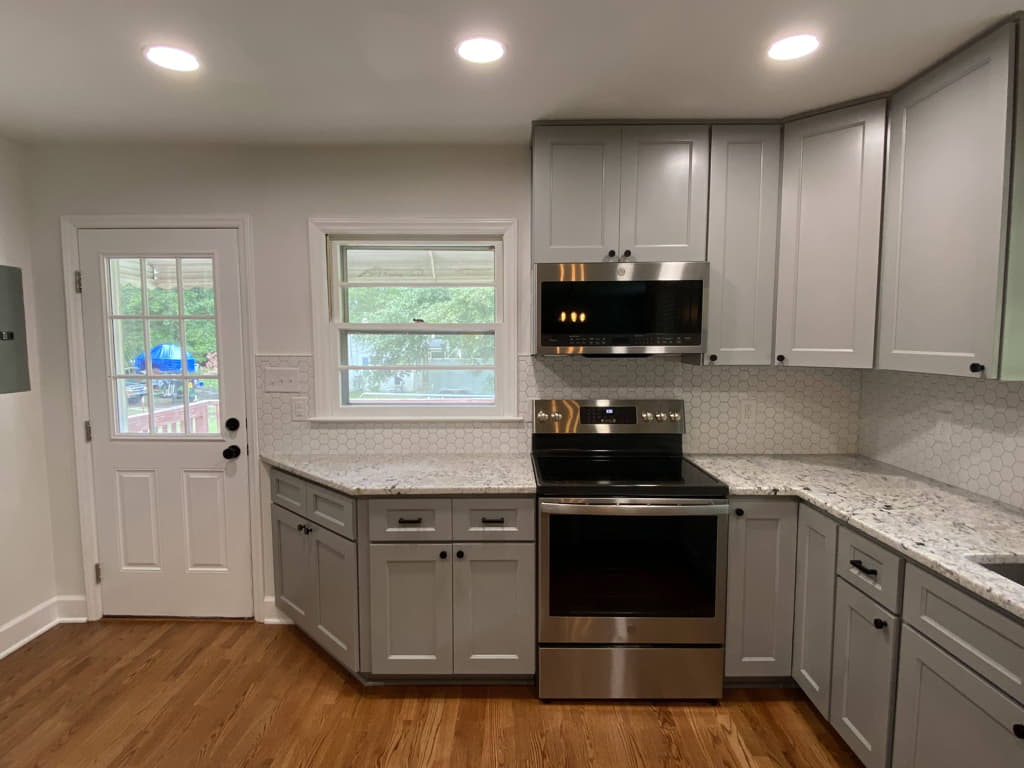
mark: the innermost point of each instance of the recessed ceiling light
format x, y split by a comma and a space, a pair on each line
481, 50
793, 47
172, 58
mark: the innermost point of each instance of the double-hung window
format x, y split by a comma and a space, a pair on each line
419, 330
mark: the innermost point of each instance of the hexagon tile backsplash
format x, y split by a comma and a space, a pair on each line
965, 432
728, 409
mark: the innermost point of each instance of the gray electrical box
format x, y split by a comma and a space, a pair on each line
13, 345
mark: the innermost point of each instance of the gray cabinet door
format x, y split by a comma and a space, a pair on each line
742, 238
336, 614
829, 237
294, 579
762, 573
576, 192
944, 243
948, 717
410, 609
664, 206
494, 605
815, 602
864, 674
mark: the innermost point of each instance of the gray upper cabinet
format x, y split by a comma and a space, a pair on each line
742, 236
336, 610
576, 192
815, 604
294, 578
410, 609
829, 237
664, 199
638, 193
493, 609
864, 674
944, 244
948, 717
762, 572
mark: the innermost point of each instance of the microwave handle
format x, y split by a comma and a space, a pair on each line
635, 510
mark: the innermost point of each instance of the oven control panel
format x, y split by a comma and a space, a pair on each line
608, 416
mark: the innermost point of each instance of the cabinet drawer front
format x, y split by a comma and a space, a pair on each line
981, 637
493, 519
288, 491
332, 510
948, 717
410, 520
871, 568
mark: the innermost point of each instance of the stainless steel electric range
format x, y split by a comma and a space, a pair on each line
632, 550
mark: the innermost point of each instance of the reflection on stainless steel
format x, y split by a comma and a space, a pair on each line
564, 417
626, 672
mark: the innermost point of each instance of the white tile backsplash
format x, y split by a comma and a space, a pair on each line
728, 409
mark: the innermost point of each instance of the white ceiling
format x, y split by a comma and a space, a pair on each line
381, 71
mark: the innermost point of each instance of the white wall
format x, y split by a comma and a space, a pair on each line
281, 188
26, 556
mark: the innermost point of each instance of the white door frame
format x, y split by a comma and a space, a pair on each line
69, 228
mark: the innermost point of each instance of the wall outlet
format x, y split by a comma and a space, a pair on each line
300, 408
282, 380
749, 411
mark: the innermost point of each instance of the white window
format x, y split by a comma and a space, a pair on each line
416, 329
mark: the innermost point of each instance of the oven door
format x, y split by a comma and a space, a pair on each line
645, 571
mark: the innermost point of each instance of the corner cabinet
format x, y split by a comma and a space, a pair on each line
945, 236
743, 213
829, 238
637, 193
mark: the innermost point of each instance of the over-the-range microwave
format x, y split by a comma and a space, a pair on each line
619, 308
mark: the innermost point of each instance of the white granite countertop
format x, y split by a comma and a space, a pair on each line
392, 475
943, 528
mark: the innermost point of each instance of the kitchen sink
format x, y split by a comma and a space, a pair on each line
1011, 571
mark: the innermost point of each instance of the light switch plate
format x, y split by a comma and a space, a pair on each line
282, 380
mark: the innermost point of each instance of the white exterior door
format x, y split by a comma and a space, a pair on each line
162, 319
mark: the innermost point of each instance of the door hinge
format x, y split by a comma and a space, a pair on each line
99, 573
78, 281
88, 431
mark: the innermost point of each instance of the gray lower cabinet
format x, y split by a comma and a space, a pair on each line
294, 579
762, 573
814, 609
336, 608
863, 674
493, 598
949, 717
411, 609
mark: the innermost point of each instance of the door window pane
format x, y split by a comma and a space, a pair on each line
165, 354
161, 286
125, 286
360, 386
129, 347
169, 406
131, 406
197, 287
201, 345
204, 407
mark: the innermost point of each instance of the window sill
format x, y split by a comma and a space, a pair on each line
414, 419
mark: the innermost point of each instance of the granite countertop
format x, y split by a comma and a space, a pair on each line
392, 475
943, 528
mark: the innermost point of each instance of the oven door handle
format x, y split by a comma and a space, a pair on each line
636, 510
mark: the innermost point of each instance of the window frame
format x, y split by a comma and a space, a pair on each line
328, 236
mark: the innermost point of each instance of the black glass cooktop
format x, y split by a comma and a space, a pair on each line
624, 475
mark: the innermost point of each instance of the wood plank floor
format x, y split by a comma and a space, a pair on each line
170, 694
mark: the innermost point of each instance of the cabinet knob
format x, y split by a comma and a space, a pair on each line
977, 368
713, 358
627, 253
880, 623
444, 555
1018, 730
740, 513
611, 254
780, 358
460, 554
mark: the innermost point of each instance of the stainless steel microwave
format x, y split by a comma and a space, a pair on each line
618, 308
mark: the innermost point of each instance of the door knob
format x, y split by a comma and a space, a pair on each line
232, 452
232, 424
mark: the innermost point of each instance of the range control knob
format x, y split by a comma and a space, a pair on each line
661, 416
673, 416
543, 416
556, 416
647, 416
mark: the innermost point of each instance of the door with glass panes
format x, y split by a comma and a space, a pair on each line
162, 318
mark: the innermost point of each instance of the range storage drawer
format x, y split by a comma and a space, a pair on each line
405, 519
871, 568
494, 519
981, 637
334, 511
288, 491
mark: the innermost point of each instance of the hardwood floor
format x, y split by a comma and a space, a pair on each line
170, 694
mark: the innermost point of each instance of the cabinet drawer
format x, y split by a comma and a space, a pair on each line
288, 491
871, 568
493, 519
334, 511
410, 519
981, 637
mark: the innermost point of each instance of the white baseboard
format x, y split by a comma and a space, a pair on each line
60, 609
272, 614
